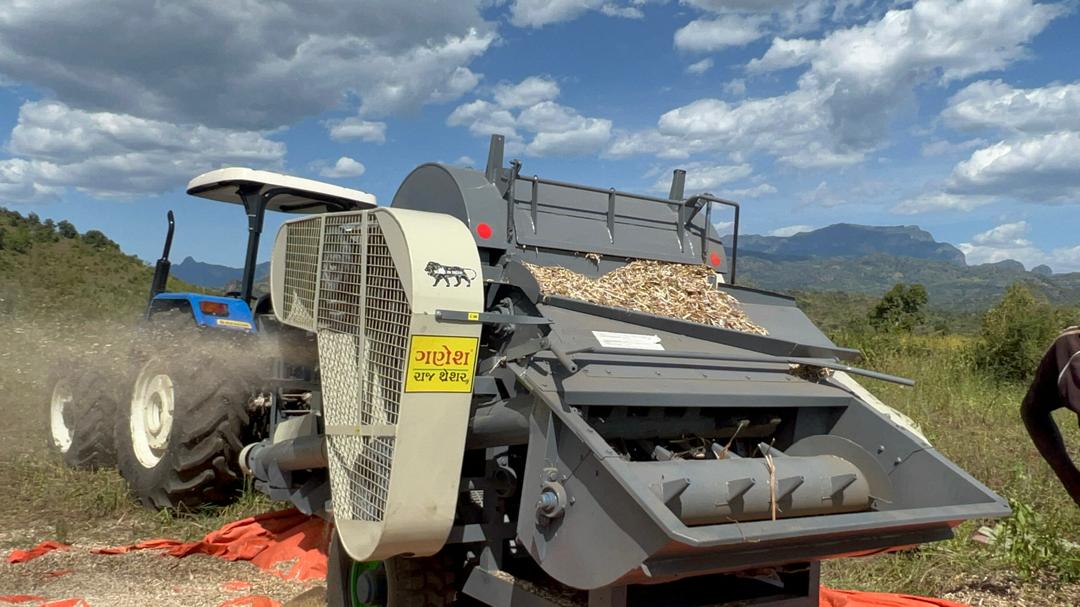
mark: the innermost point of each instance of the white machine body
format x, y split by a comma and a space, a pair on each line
397, 384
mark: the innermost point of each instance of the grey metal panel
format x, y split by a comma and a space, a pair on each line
624, 535
656, 387
463, 193
783, 323
722, 545
500, 592
583, 219
678, 558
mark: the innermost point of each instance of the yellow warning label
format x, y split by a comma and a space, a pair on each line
438, 363
473, 316
225, 322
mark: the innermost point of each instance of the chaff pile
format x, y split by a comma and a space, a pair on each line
665, 289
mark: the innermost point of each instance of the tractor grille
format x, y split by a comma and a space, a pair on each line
363, 327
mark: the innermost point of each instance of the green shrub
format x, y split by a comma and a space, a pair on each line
1015, 333
900, 309
1034, 547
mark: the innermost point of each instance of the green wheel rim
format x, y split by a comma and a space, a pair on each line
355, 572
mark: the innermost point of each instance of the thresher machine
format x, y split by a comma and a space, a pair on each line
482, 440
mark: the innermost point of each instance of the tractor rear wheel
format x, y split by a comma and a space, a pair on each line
179, 437
81, 413
396, 582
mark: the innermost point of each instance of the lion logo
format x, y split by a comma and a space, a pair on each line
443, 274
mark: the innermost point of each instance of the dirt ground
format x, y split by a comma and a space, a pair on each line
141, 579
41, 500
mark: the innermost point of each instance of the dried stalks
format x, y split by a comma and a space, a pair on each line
665, 289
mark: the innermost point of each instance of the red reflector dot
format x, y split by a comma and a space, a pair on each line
483, 230
714, 259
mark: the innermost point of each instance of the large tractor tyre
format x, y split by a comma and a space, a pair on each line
397, 582
82, 410
179, 437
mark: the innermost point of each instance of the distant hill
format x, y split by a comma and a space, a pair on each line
49, 269
852, 240
870, 259
213, 276
951, 286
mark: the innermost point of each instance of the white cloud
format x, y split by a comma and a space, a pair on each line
940, 201
705, 35
996, 105
1004, 234
757, 191
1040, 169
353, 128
787, 127
941, 147
465, 161
345, 167
626, 12
1033, 161
701, 177
856, 82
227, 65
556, 129
484, 118
1010, 241
538, 13
116, 155
650, 141
700, 67
787, 16
529, 91
583, 136
735, 88
864, 75
790, 230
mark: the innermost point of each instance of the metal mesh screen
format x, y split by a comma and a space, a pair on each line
301, 269
363, 339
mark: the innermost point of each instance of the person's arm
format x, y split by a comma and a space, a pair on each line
1044, 432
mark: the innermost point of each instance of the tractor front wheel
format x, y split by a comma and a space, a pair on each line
81, 412
179, 437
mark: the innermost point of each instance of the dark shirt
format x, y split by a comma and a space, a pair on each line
1057, 380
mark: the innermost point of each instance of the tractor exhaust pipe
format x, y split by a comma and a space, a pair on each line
161, 268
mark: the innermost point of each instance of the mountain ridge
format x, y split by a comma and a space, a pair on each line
855, 240
213, 276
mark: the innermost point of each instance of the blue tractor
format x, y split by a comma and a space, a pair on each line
200, 380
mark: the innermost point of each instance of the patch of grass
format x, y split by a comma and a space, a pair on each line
1034, 548
83, 505
974, 420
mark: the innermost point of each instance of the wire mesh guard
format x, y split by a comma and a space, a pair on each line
301, 268
363, 329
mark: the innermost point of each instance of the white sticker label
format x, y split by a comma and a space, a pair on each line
629, 341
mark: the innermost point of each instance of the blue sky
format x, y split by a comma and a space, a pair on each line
960, 116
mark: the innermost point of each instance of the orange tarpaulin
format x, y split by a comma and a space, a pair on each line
292, 545
850, 598
251, 601
27, 600
286, 543
22, 556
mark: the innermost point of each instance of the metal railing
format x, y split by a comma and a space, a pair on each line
686, 210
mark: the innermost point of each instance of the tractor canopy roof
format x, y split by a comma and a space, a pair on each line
285, 193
